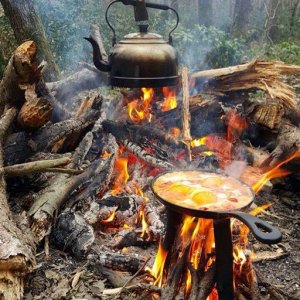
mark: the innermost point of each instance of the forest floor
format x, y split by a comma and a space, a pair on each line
60, 276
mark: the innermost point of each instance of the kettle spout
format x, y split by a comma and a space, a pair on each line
99, 63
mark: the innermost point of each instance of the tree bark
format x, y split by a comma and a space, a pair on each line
272, 23
27, 25
241, 16
16, 246
205, 11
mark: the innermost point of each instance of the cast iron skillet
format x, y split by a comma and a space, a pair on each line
262, 230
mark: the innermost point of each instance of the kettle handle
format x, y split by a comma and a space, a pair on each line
150, 5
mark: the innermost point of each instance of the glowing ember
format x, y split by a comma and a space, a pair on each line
276, 172
217, 144
126, 226
235, 125
105, 154
110, 218
170, 101
175, 132
198, 142
122, 175
158, 267
139, 110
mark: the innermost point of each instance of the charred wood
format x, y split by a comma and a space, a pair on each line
207, 283
20, 146
115, 261
72, 234
145, 156
156, 226
124, 207
54, 196
175, 278
137, 134
129, 238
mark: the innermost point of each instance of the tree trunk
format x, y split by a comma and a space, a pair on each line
205, 11
241, 16
27, 25
272, 23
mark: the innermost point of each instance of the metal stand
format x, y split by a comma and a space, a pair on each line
174, 219
224, 259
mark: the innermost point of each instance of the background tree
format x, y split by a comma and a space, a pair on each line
205, 12
241, 17
26, 25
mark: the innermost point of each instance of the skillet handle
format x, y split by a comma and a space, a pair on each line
262, 230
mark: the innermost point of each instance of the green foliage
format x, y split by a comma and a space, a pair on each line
288, 52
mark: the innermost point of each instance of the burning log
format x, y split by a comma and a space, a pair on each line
142, 154
123, 207
258, 74
53, 196
137, 133
175, 278
16, 246
59, 189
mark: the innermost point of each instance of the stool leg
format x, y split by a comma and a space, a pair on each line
224, 259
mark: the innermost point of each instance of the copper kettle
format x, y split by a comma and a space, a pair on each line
140, 59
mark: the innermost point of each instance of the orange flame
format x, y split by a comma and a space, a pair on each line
201, 237
175, 132
139, 110
126, 226
276, 172
235, 125
158, 266
188, 283
110, 218
145, 228
170, 101
122, 175
239, 257
105, 154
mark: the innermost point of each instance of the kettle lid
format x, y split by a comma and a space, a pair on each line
143, 38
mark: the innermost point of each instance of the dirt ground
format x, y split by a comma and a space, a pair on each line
60, 276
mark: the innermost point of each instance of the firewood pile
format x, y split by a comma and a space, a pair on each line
76, 176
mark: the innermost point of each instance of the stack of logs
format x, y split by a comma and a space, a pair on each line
43, 144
